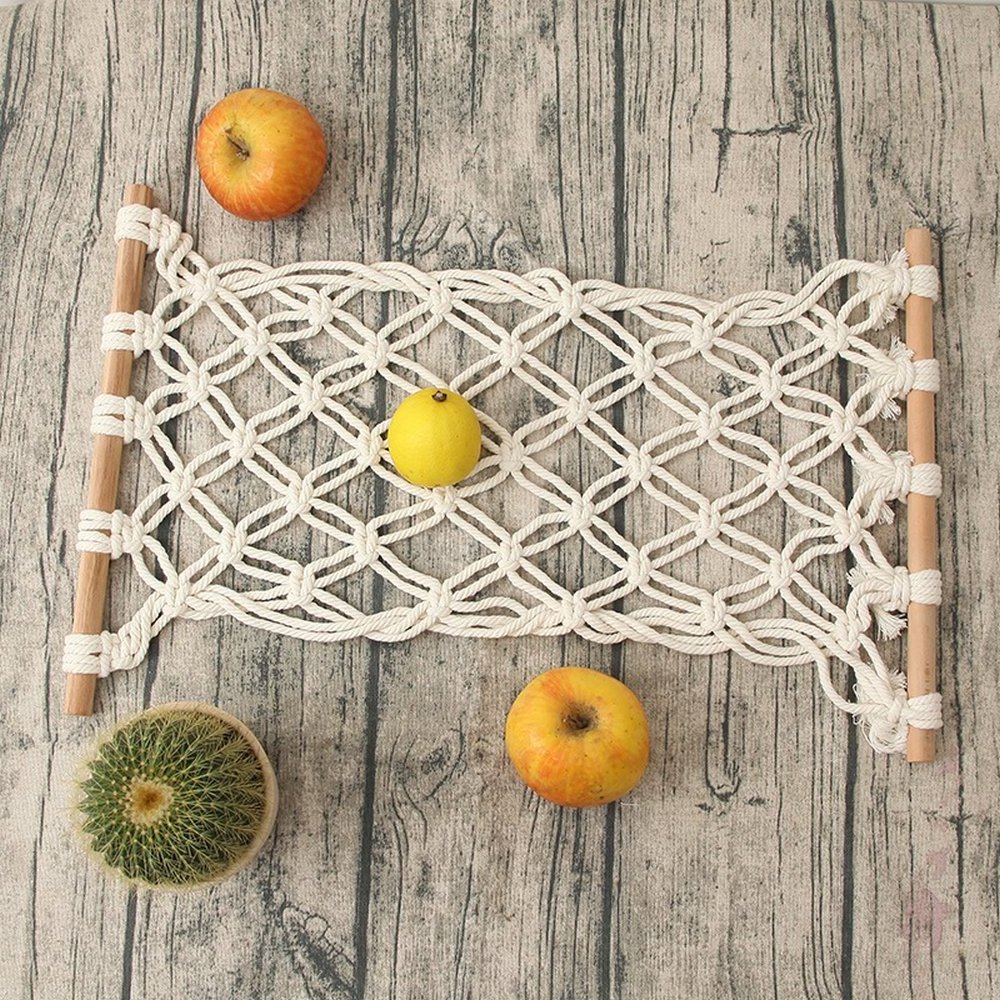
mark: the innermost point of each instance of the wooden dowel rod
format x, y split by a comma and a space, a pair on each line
921, 516
102, 490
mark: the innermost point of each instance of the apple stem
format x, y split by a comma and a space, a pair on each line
579, 719
242, 149
440, 396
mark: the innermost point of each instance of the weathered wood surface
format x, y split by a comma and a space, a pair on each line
718, 145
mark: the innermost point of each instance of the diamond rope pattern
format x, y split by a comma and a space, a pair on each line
656, 467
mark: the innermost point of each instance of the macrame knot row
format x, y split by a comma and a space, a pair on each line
152, 227
887, 728
122, 416
894, 375
893, 476
878, 591
891, 284
114, 533
100, 654
136, 332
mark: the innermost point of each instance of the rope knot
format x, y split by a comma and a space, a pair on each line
708, 524
367, 448
311, 397
127, 535
180, 484
301, 585
639, 569
573, 611
256, 340
366, 544
702, 334
835, 336
243, 443
231, 543
778, 474
879, 591
135, 332
708, 425
644, 365
842, 426
780, 571
148, 333
444, 501
439, 300
881, 478
510, 455
847, 528
886, 287
581, 513
437, 604
639, 465
299, 497
319, 311
509, 555
846, 636
898, 474
138, 420
160, 229
713, 613
571, 304
510, 351
203, 287
377, 357
770, 385
176, 593
577, 409
196, 385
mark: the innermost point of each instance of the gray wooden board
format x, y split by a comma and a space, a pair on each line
700, 145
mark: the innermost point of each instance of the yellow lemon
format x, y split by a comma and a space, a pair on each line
434, 438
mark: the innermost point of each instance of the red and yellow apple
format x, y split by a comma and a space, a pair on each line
578, 737
261, 154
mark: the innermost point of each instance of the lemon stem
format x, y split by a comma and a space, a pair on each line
440, 396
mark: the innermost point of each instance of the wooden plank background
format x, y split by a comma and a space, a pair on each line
711, 144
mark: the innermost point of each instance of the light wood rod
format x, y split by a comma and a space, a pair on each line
921, 519
102, 489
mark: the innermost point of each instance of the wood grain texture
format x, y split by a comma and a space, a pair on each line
718, 144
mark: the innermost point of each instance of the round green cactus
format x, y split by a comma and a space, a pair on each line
178, 796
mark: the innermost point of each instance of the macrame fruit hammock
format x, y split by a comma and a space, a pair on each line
656, 467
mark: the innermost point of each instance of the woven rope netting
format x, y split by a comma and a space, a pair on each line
656, 467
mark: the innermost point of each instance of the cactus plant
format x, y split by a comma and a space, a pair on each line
177, 796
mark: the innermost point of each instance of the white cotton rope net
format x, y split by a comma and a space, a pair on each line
656, 467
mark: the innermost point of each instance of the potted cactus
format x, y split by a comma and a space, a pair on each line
179, 796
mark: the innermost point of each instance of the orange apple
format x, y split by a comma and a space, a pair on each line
578, 737
261, 154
